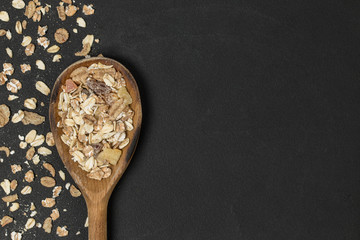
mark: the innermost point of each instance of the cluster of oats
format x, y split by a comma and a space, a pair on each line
94, 107
34, 142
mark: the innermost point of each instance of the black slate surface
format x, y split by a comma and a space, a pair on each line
251, 120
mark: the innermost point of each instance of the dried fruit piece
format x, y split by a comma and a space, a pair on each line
30, 103
18, 4
47, 225
48, 202
29, 50
10, 198
40, 64
4, 115
26, 190
6, 220
88, 9
61, 231
42, 87
13, 85
110, 155
74, 191
61, 35
29, 176
61, 12
47, 181
4, 16
54, 214
98, 87
50, 168
32, 118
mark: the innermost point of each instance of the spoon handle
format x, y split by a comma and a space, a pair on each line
97, 212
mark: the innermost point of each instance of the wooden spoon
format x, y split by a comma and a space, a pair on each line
96, 193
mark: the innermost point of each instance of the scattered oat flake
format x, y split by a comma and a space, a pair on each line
26, 41
42, 30
57, 58
50, 141
30, 223
18, 4
6, 186
9, 52
29, 50
62, 175
32, 118
54, 214
61, 35
61, 231
6, 220
42, 87
15, 168
29, 176
56, 191
26, 190
50, 168
44, 151
14, 206
6, 150
43, 41
16, 236
47, 181
61, 12
47, 225
4, 115
48, 202
10, 198
4, 16
18, 27
88, 9
81, 22
25, 67
87, 43
8, 34
13, 85
74, 191
40, 64
13, 185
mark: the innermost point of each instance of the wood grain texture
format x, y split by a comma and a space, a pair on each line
96, 193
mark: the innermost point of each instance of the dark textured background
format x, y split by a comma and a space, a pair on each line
251, 120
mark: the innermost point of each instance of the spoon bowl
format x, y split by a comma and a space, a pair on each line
96, 193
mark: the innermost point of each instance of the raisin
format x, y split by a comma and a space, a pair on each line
97, 148
97, 87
